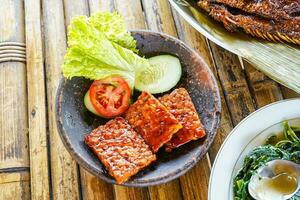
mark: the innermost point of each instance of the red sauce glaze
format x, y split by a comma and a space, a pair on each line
152, 120
122, 151
181, 106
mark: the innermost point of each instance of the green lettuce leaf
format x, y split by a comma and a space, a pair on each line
112, 25
95, 54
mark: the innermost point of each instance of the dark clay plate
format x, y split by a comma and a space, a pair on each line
74, 121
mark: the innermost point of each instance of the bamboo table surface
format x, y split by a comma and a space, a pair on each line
33, 161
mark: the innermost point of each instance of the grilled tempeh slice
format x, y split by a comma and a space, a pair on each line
180, 104
152, 120
122, 151
287, 30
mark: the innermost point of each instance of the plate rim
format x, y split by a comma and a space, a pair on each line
213, 169
76, 156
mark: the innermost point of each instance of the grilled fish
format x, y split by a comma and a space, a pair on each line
272, 9
283, 29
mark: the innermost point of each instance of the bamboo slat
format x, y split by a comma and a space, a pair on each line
14, 157
194, 184
239, 88
63, 167
12, 22
15, 186
159, 17
75, 8
39, 174
13, 100
132, 13
13, 116
100, 5
288, 93
264, 90
93, 188
234, 83
170, 190
127, 193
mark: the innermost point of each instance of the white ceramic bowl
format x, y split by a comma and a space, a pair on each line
248, 134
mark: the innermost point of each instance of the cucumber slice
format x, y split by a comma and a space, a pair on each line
88, 104
164, 74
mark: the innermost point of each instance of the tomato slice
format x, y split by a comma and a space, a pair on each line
110, 97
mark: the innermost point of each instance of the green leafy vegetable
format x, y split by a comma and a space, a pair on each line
287, 149
112, 25
100, 46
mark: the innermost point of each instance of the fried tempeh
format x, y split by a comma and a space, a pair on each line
152, 120
180, 104
122, 151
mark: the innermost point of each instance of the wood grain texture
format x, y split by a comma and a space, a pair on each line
12, 21
194, 184
128, 193
75, 8
234, 83
191, 37
36, 102
288, 93
63, 168
132, 13
101, 5
264, 90
159, 17
13, 108
224, 128
13, 99
13, 116
15, 186
168, 191
93, 188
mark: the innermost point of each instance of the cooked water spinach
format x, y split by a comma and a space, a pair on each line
287, 147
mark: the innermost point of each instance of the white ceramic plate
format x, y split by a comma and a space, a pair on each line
249, 133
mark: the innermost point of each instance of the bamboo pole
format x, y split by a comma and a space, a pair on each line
64, 173
39, 174
14, 158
